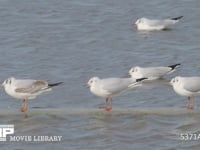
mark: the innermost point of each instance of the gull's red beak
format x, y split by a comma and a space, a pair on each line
127, 75
87, 85
169, 83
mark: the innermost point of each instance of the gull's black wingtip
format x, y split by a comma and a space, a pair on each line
55, 84
177, 18
174, 66
140, 79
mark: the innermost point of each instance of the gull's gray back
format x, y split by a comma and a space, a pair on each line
155, 71
30, 86
191, 84
164, 22
23, 83
116, 85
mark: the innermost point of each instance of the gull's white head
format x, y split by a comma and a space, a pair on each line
92, 81
139, 21
133, 70
175, 81
8, 81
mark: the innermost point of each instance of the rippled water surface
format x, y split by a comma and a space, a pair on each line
74, 40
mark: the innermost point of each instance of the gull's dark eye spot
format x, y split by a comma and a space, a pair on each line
176, 80
8, 81
139, 21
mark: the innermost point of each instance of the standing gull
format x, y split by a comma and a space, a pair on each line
26, 89
152, 73
106, 88
187, 86
153, 24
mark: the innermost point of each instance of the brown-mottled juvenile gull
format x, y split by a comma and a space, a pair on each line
26, 89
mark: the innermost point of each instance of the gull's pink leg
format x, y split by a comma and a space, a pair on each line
188, 106
24, 106
109, 108
192, 107
105, 105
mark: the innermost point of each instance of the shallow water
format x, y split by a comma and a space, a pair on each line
74, 40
